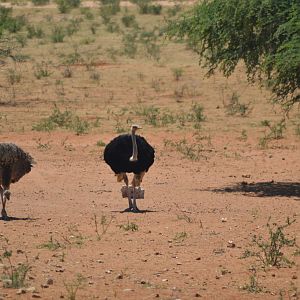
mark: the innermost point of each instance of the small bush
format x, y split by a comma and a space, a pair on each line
234, 107
12, 24
34, 32
42, 70
64, 6
129, 21
40, 2
130, 46
66, 120
86, 11
58, 34
73, 26
177, 73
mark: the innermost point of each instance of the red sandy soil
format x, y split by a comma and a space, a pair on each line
71, 184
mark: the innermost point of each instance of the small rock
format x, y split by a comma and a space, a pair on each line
294, 276
36, 296
108, 271
156, 295
6, 283
50, 281
44, 286
99, 261
231, 244
164, 280
91, 282
217, 277
223, 220
198, 258
178, 263
21, 291
197, 295
128, 290
19, 251
31, 289
119, 276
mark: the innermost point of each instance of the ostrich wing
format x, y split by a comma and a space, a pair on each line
20, 168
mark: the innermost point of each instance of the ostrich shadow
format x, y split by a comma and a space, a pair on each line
264, 189
141, 211
8, 219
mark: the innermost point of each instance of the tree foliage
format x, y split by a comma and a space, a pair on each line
264, 34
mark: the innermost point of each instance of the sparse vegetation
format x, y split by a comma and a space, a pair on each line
59, 119
275, 132
51, 245
104, 222
14, 276
270, 251
129, 226
73, 286
235, 107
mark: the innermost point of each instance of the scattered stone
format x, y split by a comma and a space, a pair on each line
31, 289
119, 276
178, 263
128, 290
223, 220
198, 258
157, 296
217, 277
99, 261
231, 244
197, 295
6, 283
294, 276
164, 280
91, 282
36, 296
44, 286
19, 251
108, 271
21, 291
50, 281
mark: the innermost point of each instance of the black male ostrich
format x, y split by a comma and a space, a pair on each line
14, 164
129, 153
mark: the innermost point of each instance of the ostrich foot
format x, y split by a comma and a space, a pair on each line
4, 214
129, 209
136, 210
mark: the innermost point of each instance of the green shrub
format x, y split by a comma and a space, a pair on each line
33, 31
58, 34
66, 120
129, 20
40, 2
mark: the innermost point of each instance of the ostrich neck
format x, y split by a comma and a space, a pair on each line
134, 148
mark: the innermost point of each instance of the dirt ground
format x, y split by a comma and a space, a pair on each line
199, 215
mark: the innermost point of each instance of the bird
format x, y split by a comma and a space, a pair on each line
130, 153
14, 164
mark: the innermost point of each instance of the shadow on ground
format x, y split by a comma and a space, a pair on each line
264, 189
7, 219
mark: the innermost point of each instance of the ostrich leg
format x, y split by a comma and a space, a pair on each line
3, 213
135, 182
5, 193
128, 194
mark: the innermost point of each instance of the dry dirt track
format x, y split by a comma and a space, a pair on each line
67, 189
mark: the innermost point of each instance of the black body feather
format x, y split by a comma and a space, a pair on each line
118, 152
14, 163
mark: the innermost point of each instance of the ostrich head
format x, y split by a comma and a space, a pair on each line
134, 156
134, 128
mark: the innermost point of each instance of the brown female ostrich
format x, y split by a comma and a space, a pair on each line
129, 153
14, 164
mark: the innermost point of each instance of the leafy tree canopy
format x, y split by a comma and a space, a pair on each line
264, 34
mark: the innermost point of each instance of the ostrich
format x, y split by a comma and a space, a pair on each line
14, 164
129, 153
